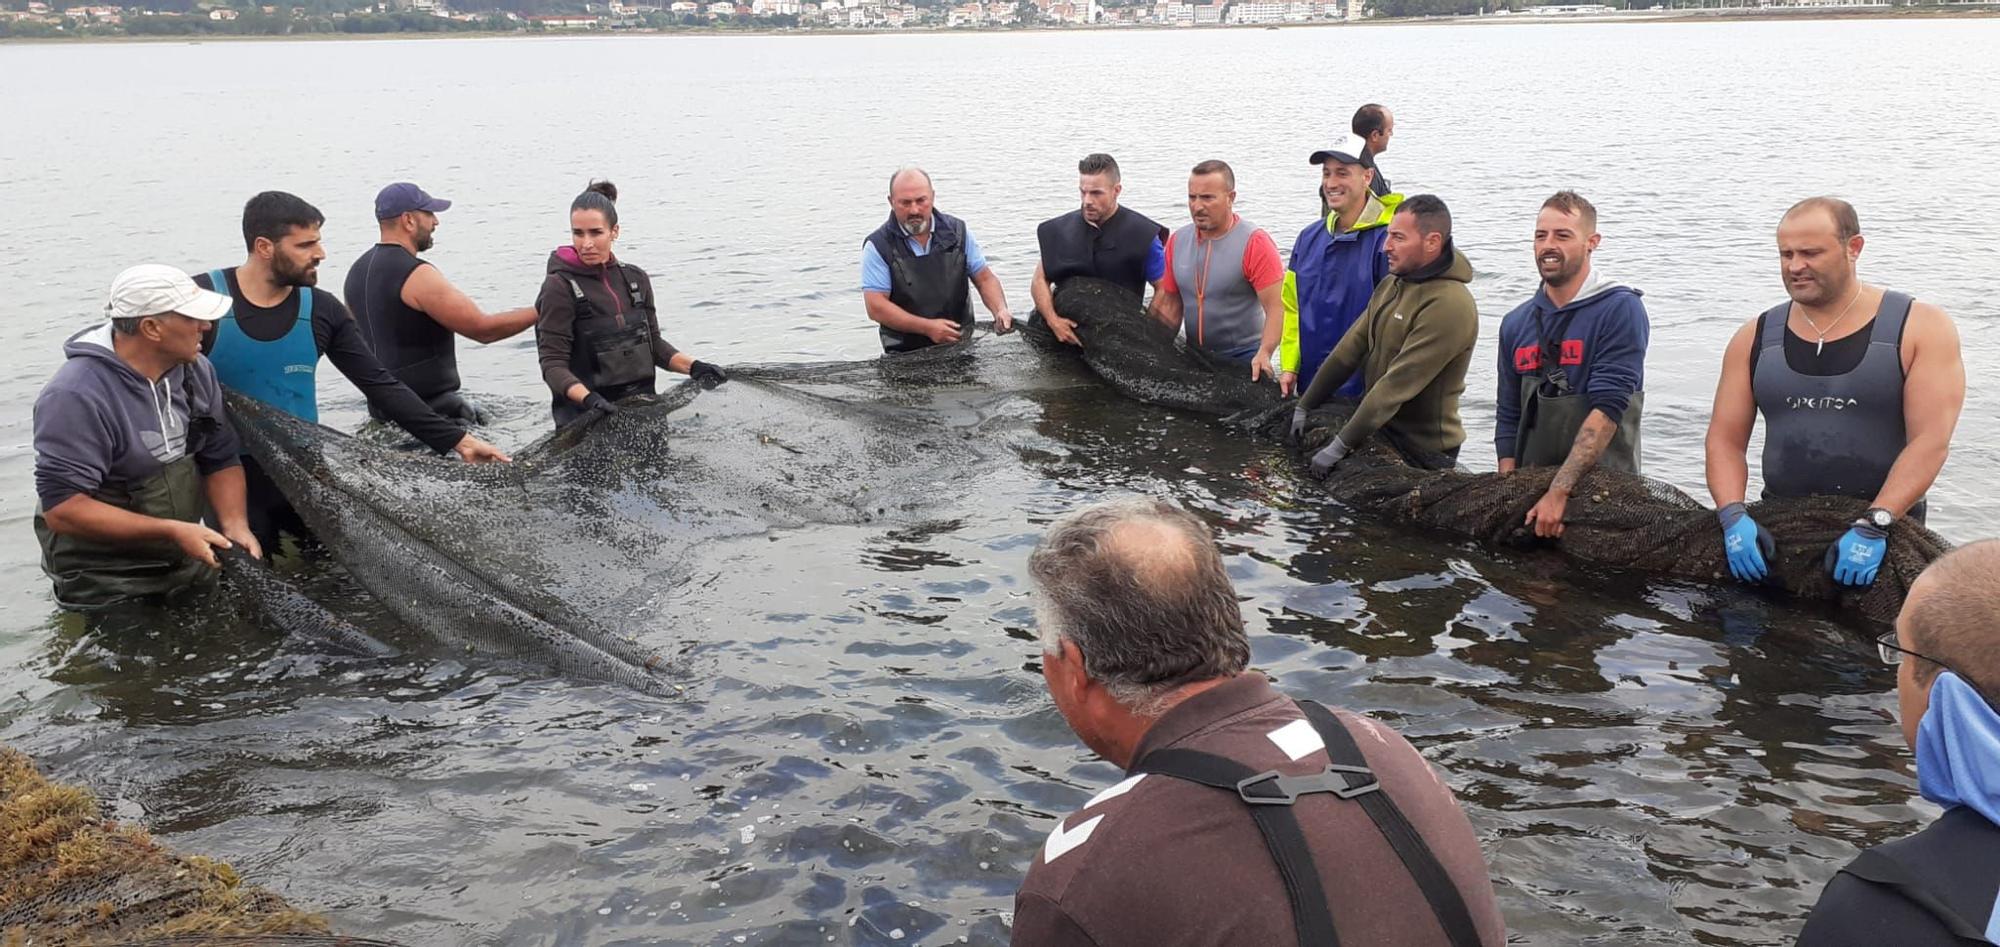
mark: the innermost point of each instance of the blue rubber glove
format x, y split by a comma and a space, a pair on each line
1857, 555
1328, 456
1747, 544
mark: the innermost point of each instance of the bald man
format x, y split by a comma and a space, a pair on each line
1942, 885
915, 269
1860, 388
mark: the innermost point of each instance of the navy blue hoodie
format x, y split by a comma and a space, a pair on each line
1603, 352
98, 422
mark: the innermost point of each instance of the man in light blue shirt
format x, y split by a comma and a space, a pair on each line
915, 271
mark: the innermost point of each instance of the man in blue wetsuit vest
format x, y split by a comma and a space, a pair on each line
268, 347
1940, 886
1860, 389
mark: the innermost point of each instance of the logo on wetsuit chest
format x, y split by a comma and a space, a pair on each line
1528, 358
1821, 404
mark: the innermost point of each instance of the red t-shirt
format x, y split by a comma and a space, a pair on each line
1260, 262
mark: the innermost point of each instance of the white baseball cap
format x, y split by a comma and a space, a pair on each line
1350, 149
154, 289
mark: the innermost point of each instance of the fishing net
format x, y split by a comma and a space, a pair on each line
70, 876
1613, 519
573, 557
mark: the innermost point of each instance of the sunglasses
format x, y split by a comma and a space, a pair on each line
1892, 653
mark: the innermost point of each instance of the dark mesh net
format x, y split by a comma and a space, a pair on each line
1613, 519
571, 557
69, 876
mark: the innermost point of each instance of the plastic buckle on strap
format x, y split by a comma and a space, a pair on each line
1290, 788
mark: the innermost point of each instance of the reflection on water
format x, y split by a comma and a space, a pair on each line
864, 754
866, 748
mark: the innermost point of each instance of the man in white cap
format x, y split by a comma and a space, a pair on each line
132, 447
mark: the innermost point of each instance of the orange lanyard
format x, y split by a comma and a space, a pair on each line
1201, 285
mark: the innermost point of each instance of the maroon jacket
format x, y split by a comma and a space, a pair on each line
1156, 861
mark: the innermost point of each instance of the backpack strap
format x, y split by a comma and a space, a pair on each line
1271, 797
1445, 899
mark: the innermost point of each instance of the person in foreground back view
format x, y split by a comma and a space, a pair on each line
1144, 654
1942, 885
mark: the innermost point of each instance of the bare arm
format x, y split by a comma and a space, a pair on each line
995, 297
1546, 517
892, 316
1064, 329
1167, 308
1730, 422
1043, 295
1272, 298
427, 291
1933, 396
225, 496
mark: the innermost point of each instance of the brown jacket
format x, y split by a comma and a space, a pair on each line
1160, 862
606, 289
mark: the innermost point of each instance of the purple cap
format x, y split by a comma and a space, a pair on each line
403, 197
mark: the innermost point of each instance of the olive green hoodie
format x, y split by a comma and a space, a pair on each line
1412, 346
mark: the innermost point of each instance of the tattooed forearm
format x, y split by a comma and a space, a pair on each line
1591, 439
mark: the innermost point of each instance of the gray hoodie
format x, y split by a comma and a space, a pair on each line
99, 423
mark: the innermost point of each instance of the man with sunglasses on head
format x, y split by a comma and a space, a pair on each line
1941, 885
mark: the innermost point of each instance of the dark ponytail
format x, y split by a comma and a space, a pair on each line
600, 196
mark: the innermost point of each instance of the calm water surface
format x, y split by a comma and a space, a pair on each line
864, 755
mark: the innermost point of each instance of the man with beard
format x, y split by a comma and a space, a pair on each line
269, 345
1224, 283
1572, 364
1335, 265
915, 269
409, 312
1100, 240
1860, 388
1412, 346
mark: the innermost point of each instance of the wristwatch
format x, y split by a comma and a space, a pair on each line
1876, 517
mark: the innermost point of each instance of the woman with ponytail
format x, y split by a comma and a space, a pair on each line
598, 328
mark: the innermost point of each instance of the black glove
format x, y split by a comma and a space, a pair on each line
596, 402
709, 375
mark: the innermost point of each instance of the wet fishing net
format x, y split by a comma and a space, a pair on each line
573, 557
70, 876
1613, 519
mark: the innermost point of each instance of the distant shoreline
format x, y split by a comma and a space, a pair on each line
1951, 12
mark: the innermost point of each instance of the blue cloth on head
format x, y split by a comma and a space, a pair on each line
1958, 749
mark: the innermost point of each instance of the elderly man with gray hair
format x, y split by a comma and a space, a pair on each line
1245, 817
915, 269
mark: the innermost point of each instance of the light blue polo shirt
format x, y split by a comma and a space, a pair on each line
875, 270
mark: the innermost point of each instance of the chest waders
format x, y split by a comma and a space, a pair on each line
1273, 798
1552, 411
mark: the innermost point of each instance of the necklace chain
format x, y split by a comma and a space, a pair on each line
1820, 346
